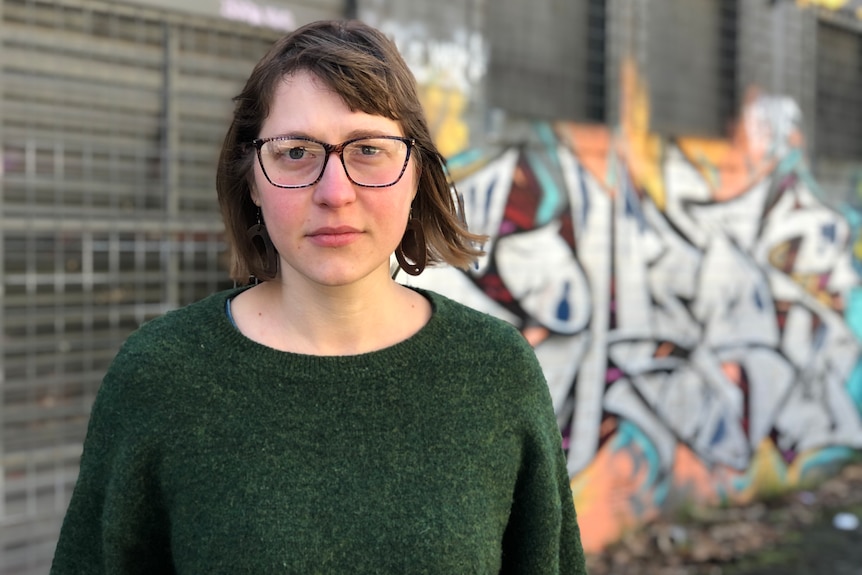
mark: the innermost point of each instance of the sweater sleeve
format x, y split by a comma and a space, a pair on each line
542, 536
115, 521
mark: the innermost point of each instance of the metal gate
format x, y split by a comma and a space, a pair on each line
111, 119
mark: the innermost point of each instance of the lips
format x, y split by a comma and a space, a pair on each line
333, 237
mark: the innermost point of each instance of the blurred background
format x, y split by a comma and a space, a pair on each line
672, 190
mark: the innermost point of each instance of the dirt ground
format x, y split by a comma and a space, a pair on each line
804, 533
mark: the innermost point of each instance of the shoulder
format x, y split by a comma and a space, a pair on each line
163, 346
480, 327
179, 327
189, 317
493, 358
157, 368
484, 340
460, 315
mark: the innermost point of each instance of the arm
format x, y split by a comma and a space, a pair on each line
114, 523
542, 536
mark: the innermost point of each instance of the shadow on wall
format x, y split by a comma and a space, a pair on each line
694, 303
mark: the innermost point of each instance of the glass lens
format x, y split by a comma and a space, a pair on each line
375, 161
292, 162
368, 162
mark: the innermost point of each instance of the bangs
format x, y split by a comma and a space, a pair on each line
364, 84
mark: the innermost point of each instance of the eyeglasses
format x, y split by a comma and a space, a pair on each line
295, 162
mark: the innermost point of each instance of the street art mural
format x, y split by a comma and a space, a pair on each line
694, 304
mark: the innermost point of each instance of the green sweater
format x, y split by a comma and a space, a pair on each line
209, 453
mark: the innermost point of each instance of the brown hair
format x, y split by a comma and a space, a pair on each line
364, 67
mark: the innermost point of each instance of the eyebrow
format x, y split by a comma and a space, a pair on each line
359, 133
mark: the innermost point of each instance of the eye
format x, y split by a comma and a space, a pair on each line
293, 150
295, 153
369, 150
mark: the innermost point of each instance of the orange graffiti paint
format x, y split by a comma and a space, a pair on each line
593, 146
640, 149
607, 494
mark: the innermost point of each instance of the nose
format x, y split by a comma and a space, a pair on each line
334, 187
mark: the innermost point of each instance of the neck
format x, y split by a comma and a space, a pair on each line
339, 320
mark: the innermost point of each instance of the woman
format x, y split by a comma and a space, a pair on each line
326, 419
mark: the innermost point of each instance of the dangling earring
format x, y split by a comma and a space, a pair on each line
259, 238
412, 247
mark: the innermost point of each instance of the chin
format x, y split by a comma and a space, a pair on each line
338, 278
338, 272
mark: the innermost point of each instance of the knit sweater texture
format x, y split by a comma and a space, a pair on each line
208, 453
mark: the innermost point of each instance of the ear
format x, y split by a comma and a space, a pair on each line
253, 193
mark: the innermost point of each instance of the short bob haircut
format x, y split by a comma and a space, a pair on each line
364, 67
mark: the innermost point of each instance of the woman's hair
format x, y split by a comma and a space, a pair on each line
364, 67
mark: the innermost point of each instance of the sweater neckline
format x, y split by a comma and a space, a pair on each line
403, 350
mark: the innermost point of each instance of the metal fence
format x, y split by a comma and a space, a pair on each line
110, 121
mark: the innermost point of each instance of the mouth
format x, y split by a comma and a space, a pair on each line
333, 237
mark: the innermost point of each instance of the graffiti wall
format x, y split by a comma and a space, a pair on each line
695, 304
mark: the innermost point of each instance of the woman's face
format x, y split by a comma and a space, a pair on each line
334, 232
